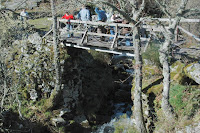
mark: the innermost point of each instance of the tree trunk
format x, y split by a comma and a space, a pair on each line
57, 89
138, 111
163, 55
164, 50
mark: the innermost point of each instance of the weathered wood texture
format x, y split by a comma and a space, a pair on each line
85, 34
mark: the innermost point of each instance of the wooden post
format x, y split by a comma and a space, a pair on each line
116, 30
176, 34
114, 41
83, 38
58, 24
86, 38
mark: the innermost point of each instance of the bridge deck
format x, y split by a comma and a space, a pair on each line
95, 42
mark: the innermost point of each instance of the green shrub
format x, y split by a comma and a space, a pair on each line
176, 94
191, 98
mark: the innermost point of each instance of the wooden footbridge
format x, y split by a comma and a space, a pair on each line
85, 35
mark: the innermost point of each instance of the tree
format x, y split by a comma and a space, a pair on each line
57, 89
136, 7
164, 53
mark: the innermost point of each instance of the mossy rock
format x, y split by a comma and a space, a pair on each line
177, 74
156, 89
152, 76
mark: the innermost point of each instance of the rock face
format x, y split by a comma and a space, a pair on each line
87, 84
193, 72
33, 59
87, 81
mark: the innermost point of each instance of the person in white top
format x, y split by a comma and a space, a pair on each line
114, 19
24, 15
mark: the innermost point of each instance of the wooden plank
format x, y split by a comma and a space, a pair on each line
73, 40
89, 33
188, 33
99, 44
100, 50
127, 48
167, 20
107, 35
154, 28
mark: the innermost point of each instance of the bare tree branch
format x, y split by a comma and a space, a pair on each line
124, 14
141, 7
163, 8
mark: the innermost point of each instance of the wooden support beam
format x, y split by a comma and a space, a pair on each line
147, 44
48, 33
188, 33
83, 38
114, 41
99, 50
176, 34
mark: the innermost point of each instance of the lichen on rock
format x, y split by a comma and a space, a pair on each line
193, 71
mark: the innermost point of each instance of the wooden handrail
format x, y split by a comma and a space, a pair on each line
167, 20
102, 34
96, 23
188, 33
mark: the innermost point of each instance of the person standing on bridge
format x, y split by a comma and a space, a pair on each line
126, 31
101, 17
68, 17
84, 14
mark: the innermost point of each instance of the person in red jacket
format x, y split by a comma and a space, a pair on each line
68, 26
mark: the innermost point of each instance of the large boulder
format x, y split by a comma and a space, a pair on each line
193, 71
35, 39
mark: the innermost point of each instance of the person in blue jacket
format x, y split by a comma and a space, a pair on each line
101, 16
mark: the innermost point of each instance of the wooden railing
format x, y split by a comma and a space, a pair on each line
88, 28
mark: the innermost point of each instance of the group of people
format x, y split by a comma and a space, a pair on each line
85, 15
